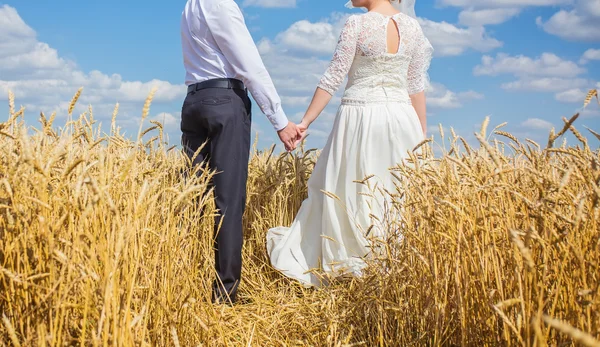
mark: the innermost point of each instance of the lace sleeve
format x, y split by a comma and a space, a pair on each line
342, 58
418, 76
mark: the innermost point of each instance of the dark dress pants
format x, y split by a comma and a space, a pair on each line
220, 119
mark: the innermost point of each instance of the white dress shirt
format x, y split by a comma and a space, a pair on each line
217, 44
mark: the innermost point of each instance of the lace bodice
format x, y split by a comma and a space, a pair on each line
374, 75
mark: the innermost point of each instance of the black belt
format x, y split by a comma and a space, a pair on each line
224, 83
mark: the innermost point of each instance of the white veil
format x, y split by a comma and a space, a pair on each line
405, 6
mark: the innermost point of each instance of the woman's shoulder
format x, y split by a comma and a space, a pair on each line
352, 22
374, 18
353, 18
408, 24
376, 15
408, 20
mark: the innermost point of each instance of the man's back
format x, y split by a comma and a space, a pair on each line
217, 44
202, 57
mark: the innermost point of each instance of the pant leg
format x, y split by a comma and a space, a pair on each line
223, 116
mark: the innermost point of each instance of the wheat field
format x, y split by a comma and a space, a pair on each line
104, 243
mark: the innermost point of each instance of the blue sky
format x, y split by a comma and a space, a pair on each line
525, 62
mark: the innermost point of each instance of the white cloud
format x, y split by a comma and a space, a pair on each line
537, 124
265, 46
15, 29
304, 37
590, 7
450, 40
582, 23
271, 3
439, 96
546, 84
295, 101
547, 73
445, 99
257, 132
41, 78
300, 80
589, 55
307, 37
548, 64
591, 113
491, 12
434, 129
501, 3
37, 56
470, 95
491, 16
167, 119
571, 96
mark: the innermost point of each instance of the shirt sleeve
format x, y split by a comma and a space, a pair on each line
342, 60
226, 23
418, 76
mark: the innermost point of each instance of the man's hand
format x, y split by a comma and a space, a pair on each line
289, 136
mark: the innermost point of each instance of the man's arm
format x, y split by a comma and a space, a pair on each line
227, 25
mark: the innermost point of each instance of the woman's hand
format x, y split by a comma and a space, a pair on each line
303, 129
303, 125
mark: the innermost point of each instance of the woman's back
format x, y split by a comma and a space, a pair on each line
385, 58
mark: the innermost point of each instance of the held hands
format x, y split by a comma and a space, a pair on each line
289, 136
295, 134
292, 135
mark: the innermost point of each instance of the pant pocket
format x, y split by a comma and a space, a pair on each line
215, 101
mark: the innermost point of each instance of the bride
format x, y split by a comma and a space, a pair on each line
381, 118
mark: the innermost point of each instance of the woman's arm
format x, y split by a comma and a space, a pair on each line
418, 77
337, 71
419, 104
319, 101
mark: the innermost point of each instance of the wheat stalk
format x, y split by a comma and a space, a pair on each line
591, 94
113, 119
576, 334
146, 111
114, 245
74, 101
11, 103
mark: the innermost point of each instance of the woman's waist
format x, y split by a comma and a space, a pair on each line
362, 102
375, 96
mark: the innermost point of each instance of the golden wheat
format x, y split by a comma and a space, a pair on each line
107, 241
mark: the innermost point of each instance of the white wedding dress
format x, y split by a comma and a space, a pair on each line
375, 127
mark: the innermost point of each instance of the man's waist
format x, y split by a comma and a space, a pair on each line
223, 83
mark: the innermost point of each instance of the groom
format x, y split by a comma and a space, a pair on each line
222, 64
